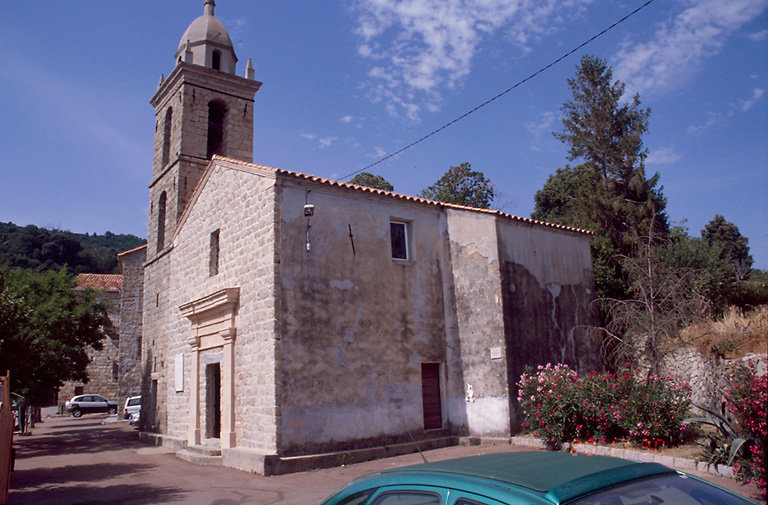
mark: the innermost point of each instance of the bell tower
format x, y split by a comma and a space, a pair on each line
201, 109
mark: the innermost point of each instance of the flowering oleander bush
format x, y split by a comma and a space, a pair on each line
747, 400
562, 407
547, 398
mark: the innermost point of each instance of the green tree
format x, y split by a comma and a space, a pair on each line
608, 193
645, 326
372, 181
712, 276
41, 249
463, 186
733, 243
46, 328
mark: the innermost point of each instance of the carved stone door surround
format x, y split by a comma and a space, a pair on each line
213, 325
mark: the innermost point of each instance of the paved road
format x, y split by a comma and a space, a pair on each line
88, 461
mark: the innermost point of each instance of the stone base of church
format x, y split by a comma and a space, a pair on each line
262, 463
160, 440
251, 460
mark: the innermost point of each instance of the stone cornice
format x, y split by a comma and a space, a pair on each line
196, 75
227, 298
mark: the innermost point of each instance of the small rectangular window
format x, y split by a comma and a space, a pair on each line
214, 258
398, 234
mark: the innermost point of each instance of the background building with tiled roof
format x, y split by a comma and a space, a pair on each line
104, 367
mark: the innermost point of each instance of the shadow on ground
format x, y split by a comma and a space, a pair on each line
97, 495
79, 441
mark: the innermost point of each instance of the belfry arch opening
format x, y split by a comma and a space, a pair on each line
216, 60
216, 113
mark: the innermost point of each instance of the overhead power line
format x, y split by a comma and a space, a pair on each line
523, 81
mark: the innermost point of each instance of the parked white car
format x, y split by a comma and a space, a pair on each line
132, 406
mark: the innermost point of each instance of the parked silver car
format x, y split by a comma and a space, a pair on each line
132, 406
84, 404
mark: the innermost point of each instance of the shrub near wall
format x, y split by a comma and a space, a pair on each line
748, 404
562, 407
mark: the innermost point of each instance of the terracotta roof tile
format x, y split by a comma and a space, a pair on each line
400, 196
144, 246
100, 282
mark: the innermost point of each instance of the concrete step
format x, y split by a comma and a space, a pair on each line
201, 455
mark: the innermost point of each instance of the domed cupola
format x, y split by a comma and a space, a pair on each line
207, 43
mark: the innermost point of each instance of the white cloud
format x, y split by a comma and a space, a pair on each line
378, 152
418, 47
662, 155
757, 94
345, 119
679, 45
541, 129
733, 109
321, 141
712, 119
758, 36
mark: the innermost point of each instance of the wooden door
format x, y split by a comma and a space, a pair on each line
430, 392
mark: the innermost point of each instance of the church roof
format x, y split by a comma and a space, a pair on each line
100, 282
366, 189
206, 28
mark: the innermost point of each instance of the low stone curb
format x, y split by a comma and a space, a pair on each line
647, 456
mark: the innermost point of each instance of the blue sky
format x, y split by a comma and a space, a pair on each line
348, 82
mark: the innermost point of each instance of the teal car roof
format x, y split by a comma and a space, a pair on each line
555, 477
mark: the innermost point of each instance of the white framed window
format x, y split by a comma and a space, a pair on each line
398, 238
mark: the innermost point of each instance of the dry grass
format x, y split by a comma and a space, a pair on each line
735, 335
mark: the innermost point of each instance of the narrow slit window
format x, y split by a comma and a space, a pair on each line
214, 258
161, 221
398, 235
166, 153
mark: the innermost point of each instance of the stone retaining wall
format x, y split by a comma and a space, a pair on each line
706, 373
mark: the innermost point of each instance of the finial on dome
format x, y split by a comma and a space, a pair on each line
188, 55
208, 7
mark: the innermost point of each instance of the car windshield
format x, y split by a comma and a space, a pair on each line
669, 489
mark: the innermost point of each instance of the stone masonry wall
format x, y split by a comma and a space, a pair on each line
103, 370
131, 301
705, 374
155, 321
239, 202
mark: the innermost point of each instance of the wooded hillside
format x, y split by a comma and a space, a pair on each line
42, 249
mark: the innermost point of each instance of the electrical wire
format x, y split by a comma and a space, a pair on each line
523, 81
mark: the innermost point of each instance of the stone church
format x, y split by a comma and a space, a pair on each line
288, 318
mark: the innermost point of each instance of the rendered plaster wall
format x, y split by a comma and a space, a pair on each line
548, 295
480, 366
238, 201
356, 325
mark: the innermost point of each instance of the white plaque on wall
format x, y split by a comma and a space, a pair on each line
179, 372
496, 353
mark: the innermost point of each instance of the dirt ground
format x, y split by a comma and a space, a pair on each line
95, 460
